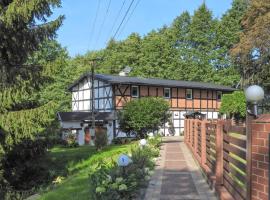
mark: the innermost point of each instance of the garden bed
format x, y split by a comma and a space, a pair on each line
77, 184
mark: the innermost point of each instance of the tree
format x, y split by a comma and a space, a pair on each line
251, 53
119, 54
228, 30
157, 55
144, 115
23, 26
234, 105
201, 38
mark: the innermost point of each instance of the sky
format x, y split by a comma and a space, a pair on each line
89, 24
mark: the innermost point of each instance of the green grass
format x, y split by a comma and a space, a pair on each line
78, 163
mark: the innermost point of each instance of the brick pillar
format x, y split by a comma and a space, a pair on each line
260, 158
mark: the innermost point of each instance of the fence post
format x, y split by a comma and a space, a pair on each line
203, 143
191, 133
219, 154
195, 137
185, 130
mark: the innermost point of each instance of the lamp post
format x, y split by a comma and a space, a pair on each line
254, 94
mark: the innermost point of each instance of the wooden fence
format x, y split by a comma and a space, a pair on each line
221, 150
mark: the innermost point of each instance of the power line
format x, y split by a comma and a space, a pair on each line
129, 17
103, 21
116, 19
94, 23
123, 19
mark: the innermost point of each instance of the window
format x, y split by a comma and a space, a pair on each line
134, 91
188, 93
219, 95
167, 93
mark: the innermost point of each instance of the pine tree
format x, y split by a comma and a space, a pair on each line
24, 26
201, 47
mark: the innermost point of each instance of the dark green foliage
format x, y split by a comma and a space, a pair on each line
101, 139
123, 140
143, 115
234, 105
21, 164
23, 26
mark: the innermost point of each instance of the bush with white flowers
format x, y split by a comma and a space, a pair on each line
121, 179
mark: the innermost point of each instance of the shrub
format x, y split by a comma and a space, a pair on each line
123, 140
70, 141
101, 139
108, 181
21, 168
155, 141
144, 115
234, 105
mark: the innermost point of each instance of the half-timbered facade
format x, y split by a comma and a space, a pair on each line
111, 93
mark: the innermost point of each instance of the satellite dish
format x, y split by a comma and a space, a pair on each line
125, 71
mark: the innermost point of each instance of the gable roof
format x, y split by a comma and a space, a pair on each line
113, 79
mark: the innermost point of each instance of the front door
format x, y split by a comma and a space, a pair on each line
87, 137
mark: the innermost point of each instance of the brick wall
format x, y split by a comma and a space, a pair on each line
260, 158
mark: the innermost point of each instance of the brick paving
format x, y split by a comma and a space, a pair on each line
177, 176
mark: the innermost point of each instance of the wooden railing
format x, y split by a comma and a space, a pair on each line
211, 146
221, 150
234, 160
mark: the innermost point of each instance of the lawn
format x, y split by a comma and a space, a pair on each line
75, 163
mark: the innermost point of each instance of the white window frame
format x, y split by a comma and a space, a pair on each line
219, 92
135, 86
169, 93
191, 94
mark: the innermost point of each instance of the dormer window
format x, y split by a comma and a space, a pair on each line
167, 93
135, 91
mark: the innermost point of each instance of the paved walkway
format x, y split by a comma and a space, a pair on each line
177, 176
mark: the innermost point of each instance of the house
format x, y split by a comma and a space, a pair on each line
112, 92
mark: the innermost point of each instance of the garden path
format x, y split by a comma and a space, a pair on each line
177, 175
